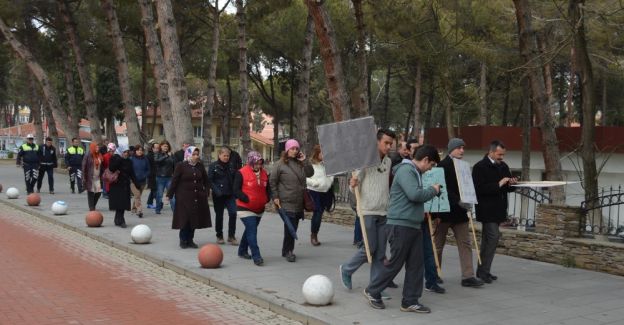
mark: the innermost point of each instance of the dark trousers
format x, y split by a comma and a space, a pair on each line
42, 171
489, 240
119, 217
357, 230
249, 239
288, 245
317, 214
151, 196
75, 176
405, 249
92, 199
431, 272
31, 173
187, 233
377, 239
220, 204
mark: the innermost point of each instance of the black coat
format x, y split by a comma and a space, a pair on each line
151, 180
190, 188
457, 214
221, 178
119, 192
48, 156
164, 164
235, 160
492, 198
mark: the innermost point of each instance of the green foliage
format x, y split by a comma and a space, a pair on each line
107, 93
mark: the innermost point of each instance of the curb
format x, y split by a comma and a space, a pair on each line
285, 309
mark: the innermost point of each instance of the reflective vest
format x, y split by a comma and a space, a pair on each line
72, 150
26, 147
256, 193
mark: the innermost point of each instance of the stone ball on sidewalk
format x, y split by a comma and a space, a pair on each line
94, 218
210, 256
141, 234
318, 290
12, 193
59, 207
33, 199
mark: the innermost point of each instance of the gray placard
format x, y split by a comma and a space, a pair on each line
348, 145
467, 191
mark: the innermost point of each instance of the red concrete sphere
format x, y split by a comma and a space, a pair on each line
210, 256
33, 199
94, 219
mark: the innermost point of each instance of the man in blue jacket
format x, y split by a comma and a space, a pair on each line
73, 162
47, 153
406, 213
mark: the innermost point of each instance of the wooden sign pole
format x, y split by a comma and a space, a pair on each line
435, 250
460, 185
362, 224
474, 237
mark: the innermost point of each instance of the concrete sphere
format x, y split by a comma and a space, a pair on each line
141, 234
59, 207
210, 256
12, 193
33, 199
94, 219
318, 290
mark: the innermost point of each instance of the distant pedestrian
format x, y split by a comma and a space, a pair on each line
190, 188
92, 168
320, 188
73, 162
151, 180
251, 187
288, 185
49, 161
165, 164
28, 158
179, 155
221, 179
111, 148
119, 194
235, 159
141, 167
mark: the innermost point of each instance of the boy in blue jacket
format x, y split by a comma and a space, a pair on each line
405, 215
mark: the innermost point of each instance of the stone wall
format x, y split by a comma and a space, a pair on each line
555, 240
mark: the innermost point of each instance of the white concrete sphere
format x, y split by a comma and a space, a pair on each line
141, 234
59, 207
12, 193
318, 290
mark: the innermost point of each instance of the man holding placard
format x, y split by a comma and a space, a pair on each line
492, 179
457, 218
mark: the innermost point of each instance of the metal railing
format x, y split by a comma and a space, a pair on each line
602, 213
522, 205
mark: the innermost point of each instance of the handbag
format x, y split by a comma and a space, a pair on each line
308, 203
109, 176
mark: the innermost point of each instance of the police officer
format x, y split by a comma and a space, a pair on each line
73, 161
47, 153
28, 157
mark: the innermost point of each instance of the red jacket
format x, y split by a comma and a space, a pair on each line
256, 193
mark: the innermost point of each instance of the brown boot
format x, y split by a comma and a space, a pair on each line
314, 240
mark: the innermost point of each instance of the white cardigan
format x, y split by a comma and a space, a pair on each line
319, 182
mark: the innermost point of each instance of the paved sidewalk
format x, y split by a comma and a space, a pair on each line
527, 292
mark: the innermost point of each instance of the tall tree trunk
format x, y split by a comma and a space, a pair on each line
242, 73
448, 103
506, 102
35, 108
542, 43
386, 107
430, 99
303, 91
212, 88
584, 66
178, 93
227, 113
83, 70
144, 90
132, 123
48, 89
569, 115
51, 125
483, 105
332, 64
110, 130
526, 147
361, 108
529, 54
70, 88
154, 51
291, 112
416, 107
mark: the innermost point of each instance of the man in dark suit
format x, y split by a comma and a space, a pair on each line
492, 179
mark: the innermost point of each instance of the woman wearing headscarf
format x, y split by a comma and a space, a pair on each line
288, 184
252, 192
92, 170
119, 191
190, 188
111, 148
320, 186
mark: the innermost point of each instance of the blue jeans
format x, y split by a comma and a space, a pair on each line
162, 182
431, 272
317, 215
250, 237
220, 204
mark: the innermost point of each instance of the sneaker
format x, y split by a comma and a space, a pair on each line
471, 282
220, 241
493, 277
192, 244
259, 262
51, 192
374, 302
385, 296
140, 214
435, 288
232, 241
291, 257
157, 211
393, 285
439, 280
345, 278
484, 277
73, 191
123, 225
151, 206
245, 256
417, 308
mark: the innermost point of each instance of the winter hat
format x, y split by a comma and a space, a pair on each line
254, 157
112, 147
455, 143
292, 143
